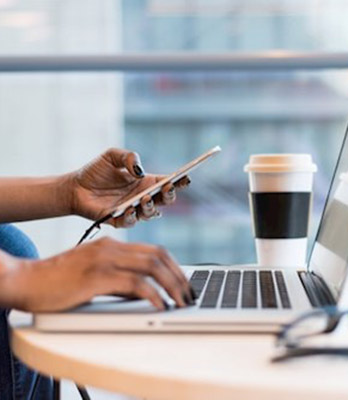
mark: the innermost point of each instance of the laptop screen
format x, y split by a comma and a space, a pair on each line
330, 250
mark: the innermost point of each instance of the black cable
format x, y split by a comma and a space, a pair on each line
83, 393
56, 384
56, 390
95, 225
34, 387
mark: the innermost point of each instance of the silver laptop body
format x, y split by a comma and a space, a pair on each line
235, 298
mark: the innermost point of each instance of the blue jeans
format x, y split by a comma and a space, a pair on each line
16, 380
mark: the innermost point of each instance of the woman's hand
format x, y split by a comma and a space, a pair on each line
104, 266
115, 176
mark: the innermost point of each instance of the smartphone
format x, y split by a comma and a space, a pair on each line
174, 177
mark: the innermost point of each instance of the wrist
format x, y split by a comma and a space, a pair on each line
65, 186
13, 280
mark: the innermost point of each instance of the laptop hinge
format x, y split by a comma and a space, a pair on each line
317, 291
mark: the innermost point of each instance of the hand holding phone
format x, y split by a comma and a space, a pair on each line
152, 190
171, 178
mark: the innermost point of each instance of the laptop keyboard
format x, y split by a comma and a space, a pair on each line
245, 289
249, 299
230, 296
212, 292
283, 292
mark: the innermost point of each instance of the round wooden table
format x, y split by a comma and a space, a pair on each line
181, 366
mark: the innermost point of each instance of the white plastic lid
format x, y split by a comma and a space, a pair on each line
280, 163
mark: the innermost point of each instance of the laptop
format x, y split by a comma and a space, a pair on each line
236, 298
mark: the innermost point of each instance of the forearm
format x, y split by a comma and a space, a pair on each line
24, 199
9, 289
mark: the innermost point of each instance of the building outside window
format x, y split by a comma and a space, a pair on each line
171, 117
55, 122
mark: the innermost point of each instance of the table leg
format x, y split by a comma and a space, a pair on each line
83, 393
56, 390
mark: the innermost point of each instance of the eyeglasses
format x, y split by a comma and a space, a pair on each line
314, 323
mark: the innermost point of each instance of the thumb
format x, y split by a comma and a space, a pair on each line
129, 160
135, 167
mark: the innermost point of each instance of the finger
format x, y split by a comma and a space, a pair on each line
166, 197
130, 284
173, 265
183, 183
168, 194
147, 209
150, 264
146, 291
123, 158
147, 260
148, 248
180, 184
126, 220
156, 262
157, 214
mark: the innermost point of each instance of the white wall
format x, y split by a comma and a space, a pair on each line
53, 123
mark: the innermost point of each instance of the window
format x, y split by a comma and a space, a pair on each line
62, 120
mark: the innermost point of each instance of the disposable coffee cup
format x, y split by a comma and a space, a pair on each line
280, 196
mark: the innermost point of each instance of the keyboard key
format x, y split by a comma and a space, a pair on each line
198, 281
212, 291
249, 299
282, 289
231, 290
268, 295
200, 274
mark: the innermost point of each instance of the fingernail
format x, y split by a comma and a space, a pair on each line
156, 215
138, 170
187, 300
149, 204
193, 293
131, 218
166, 305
